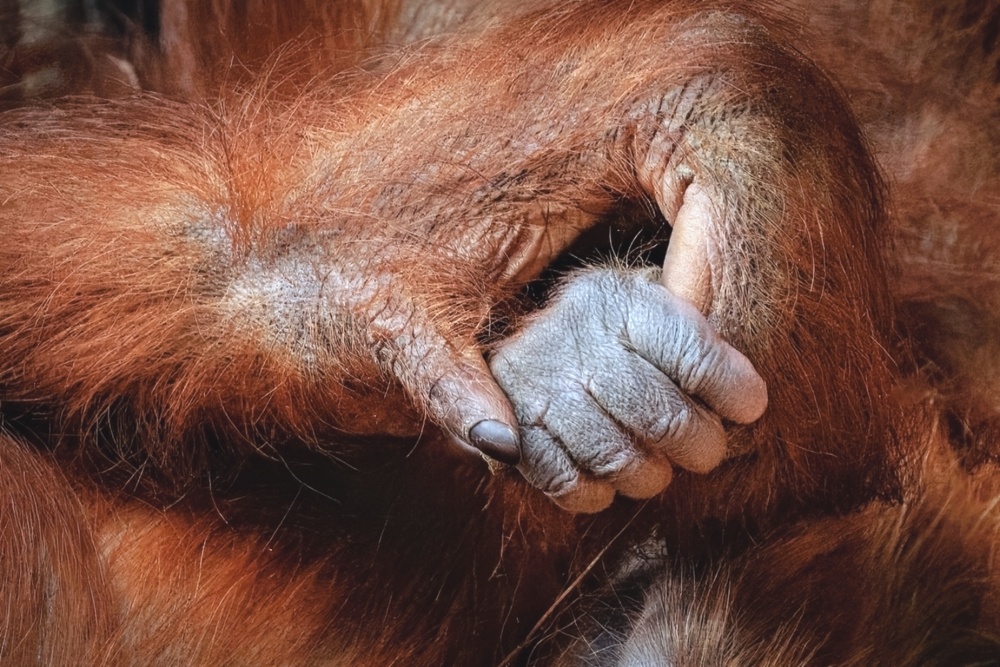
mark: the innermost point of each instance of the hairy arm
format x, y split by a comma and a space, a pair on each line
279, 269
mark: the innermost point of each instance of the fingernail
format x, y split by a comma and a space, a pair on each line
496, 440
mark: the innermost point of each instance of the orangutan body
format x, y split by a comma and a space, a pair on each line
244, 336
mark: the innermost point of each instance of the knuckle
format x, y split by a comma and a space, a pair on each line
607, 461
586, 281
511, 375
593, 442
674, 425
560, 483
543, 463
592, 289
708, 361
531, 410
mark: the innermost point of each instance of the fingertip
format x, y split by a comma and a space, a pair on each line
749, 399
463, 398
586, 497
644, 478
732, 387
701, 447
756, 400
497, 440
687, 271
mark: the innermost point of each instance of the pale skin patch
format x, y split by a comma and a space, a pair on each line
602, 384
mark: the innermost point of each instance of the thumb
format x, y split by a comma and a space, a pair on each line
449, 379
687, 271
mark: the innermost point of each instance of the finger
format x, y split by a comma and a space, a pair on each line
692, 438
449, 379
592, 439
636, 394
671, 334
588, 496
601, 449
687, 271
643, 477
732, 386
547, 467
644, 400
714, 370
660, 416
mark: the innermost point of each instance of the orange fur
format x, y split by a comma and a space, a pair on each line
247, 479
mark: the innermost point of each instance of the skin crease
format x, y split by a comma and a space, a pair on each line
913, 582
226, 321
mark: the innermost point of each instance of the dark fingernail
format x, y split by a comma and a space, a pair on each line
496, 440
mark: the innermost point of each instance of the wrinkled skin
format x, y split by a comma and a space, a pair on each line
601, 383
912, 580
297, 291
243, 334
